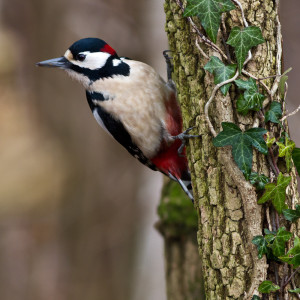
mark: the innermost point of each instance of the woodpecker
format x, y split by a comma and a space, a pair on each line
133, 104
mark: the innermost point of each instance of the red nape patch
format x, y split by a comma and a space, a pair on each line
108, 49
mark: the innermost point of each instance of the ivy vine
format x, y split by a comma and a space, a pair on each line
254, 97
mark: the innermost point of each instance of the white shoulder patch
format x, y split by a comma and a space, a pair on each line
116, 62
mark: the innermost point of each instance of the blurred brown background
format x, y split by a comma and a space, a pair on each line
76, 211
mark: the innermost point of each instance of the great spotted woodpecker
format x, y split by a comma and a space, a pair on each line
132, 103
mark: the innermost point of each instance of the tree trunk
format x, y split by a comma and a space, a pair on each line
229, 216
178, 225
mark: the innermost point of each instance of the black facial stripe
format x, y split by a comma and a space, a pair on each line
108, 70
117, 130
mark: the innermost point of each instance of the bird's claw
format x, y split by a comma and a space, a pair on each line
184, 137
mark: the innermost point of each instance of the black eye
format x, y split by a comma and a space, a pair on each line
80, 57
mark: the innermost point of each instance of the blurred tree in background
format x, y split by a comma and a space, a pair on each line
74, 205
76, 211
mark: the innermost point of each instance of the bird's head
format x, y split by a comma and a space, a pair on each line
86, 60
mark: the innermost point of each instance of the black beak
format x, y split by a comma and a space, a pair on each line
59, 62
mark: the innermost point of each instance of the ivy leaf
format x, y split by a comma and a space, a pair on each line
267, 287
277, 244
261, 244
267, 231
269, 237
297, 290
296, 158
209, 12
249, 84
274, 113
221, 72
293, 255
286, 150
283, 80
242, 143
259, 180
292, 215
288, 147
255, 297
281, 85
276, 193
243, 40
270, 141
242, 105
250, 101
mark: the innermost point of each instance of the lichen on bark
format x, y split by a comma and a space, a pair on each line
229, 216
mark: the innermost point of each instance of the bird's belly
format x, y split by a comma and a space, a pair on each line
143, 122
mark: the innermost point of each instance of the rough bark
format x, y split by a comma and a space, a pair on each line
229, 216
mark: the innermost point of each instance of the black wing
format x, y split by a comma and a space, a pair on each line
116, 129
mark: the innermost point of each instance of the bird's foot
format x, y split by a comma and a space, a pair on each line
184, 137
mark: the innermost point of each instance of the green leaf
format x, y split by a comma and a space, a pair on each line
297, 290
278, 243
261, 244
249, 84
221, 72
267, 231
242, 143
267, 287
249, 101
276, 193
274, 113
283, 80
286, 150
292, 215
293, 255
270, 141
281, 85
243, 40
259, 180
296, 158
242, 105
252, 99
255, 297
209, 12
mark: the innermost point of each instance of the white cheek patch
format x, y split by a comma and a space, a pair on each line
93, 61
